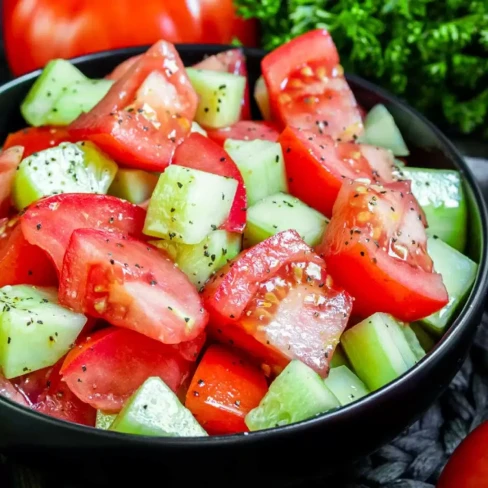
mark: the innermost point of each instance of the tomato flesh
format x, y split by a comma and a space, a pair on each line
317, 166
9, 161
307, 88
146, 113
245, 130
198, 152
130, 284
50, 222
35, 139
8, 390
112, 363
224, 389
375, 246
120, 70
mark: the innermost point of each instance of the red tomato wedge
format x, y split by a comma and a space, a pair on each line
58, 401
317, 166
123, 67
146, 113
50, 222
245, 130
22, 263
375, 246
190, 350
34, 139
8, 390
130, 284
198, 152
307, 88
234, 62
106, 368
282, 297
224, 389
9, 160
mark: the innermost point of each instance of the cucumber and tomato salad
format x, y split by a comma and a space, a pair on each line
169, 267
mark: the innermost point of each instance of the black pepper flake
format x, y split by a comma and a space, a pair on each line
288, 149
187, 319
51, 338
112, 261
362, 253
153, 282
238, 403
277, 159
195, 393
180, 185
201, 383
231, 316
9, 340
170, 308
38, 226
222, 159
83, 368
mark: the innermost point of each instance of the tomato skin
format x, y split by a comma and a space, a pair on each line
128, 136
58, 401
88, 26
317, 166
228, 293
368, 225
130, 284
468, 466
50, 222
9, 160
22, 263
198, 152
307, 88
224, 388
9, 390
34, 139
120, 70
117, 361
245, 130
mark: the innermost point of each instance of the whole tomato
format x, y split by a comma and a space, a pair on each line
468, 466
36, 31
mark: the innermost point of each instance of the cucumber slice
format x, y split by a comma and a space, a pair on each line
298, 393
104, 420
155, 410
458, 273
261, 165
133, 185
381, 130
200, 261
56, 77
220, 97
380, 350
426, 341
440, 193
198, 128
280, 212
35, 331
187, 204
67, 168
339, 358
262, 98
81, 96
345, 385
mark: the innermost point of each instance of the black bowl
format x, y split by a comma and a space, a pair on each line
276, 455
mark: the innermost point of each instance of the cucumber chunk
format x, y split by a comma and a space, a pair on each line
104, 420
298, 393
79, 97
67, 168
220, 97
380, 349
198, 128
133, 185
262, 98
339, 358
458, 273
200, 261
56, 77
381, 130
187, 204
35, 331
280, 212
425, 339
440, 194
261, 165
155, 410
345, 385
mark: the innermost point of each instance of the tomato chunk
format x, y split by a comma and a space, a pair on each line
58, 401
130, 284
9, 160
190, 350
32, 385
50, 222
8, 390
106, 368
282, 297
375, 246
223, 390
146, 113
198, 152
120, 70
34, 139
232, 61
245, 130
22, 263
307, 88
317, 166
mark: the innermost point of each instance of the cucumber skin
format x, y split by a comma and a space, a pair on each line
339, 358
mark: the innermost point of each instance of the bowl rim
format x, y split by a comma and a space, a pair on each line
464, 320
